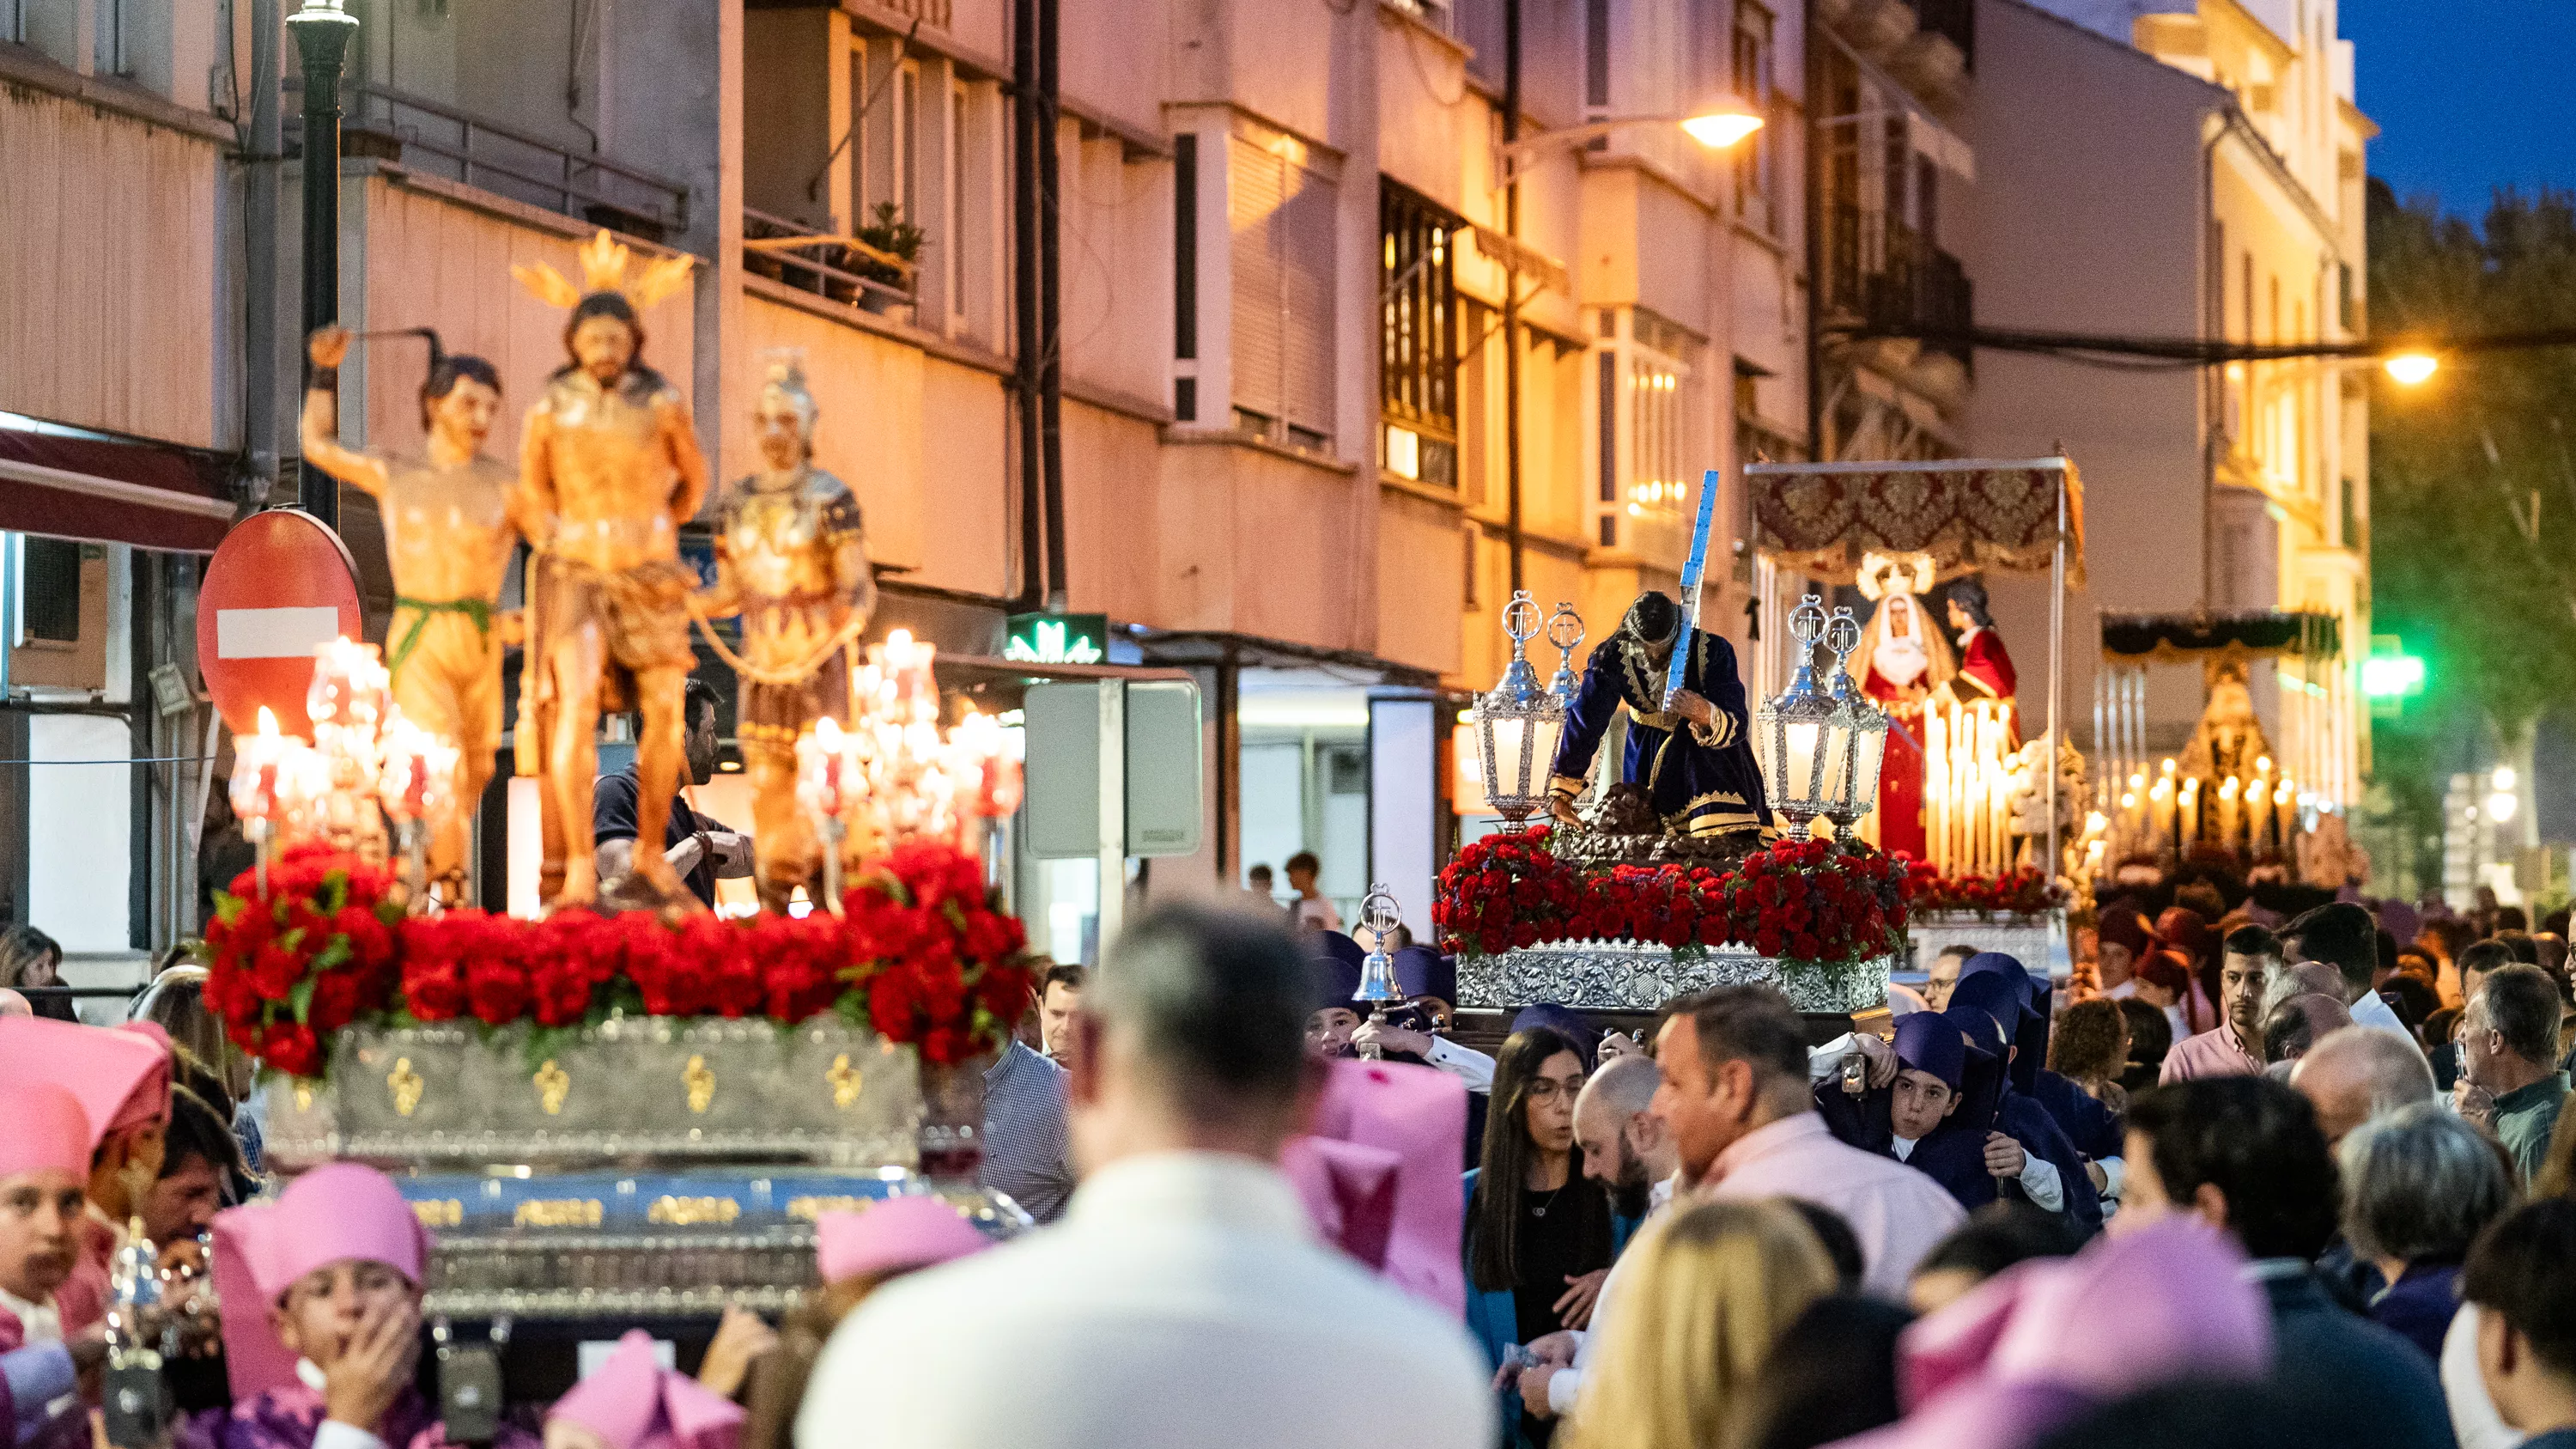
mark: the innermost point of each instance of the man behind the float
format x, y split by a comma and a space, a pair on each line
1903, 657
1692, 760
610, 456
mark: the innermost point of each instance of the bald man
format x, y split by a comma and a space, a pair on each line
1632, 1152
2356, 1073
13, 1004
2293, 1028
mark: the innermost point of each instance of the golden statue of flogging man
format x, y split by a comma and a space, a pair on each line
792, 562
610, 458
451, 516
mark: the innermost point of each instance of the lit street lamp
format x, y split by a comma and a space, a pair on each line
2411, 368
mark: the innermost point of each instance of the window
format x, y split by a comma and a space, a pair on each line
1596, 54
953, 226
1185, 275
1281, 217
1751, 77
13, 20
1642, 407
862, 93
115, 38
1418, 363
907, 132
2346, 306
49, 591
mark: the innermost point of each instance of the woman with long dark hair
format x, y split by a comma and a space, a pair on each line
1540, 1235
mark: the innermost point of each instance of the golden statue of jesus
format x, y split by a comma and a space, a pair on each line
451, 516
610, 457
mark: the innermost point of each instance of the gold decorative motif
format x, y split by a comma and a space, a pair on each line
303, 1096
604, 261
845, 1081
553, 1085
406, 1086
807, 1209
701, 1082
562, 1212
444, 1212
689, 1212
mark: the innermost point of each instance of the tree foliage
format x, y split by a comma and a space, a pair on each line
2473, 475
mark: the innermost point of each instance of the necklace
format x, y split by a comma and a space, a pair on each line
1539, 1210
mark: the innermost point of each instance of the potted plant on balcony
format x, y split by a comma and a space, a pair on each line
884, 254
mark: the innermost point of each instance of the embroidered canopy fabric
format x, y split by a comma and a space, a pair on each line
2181, 638
1968, 514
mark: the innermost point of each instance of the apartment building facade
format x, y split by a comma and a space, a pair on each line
2236, 215
1284, 237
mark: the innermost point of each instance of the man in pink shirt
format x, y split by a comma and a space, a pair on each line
2234, 1047
1736, 1100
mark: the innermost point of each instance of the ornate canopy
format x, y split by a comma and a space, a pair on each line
1968, 514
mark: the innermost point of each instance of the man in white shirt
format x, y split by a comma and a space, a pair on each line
2343, 936
1184, 1299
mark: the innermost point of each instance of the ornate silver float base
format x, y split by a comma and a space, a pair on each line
1627, 976
2038, 942
659, 1090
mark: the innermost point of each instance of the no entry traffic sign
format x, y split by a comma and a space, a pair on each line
280, 583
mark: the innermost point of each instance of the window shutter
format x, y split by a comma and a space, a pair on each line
1255, 181
1306, 227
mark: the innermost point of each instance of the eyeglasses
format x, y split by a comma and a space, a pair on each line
1546, 1089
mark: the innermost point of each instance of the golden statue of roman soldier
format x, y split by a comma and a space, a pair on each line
792, 562
610, 458
451, 517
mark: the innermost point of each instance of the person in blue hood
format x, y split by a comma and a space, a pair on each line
1935, 1115
2027, 1149
2094, 1128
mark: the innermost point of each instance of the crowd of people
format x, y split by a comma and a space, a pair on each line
2036, 1215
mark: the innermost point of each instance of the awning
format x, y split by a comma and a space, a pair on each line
2182, 638
104, 491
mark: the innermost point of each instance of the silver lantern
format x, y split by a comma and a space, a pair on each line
1792, 731
1518, 724
1858, 733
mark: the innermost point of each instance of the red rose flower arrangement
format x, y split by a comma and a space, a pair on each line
317, 952
1814, 901
919, 954
1808, 900
2025, 892
1506, 890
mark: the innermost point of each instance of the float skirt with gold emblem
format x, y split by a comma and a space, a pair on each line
643, 1166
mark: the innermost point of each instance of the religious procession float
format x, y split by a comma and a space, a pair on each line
610, 1102
1792, 841
1838, 833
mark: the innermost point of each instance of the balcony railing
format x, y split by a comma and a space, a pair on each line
1891, 278
841, 268
438, 139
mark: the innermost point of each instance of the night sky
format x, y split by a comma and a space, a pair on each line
2469, 95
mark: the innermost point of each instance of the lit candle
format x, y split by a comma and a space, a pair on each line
2228, 790
2187, 816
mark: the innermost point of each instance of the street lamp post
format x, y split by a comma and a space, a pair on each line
322, 30
1717, 124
